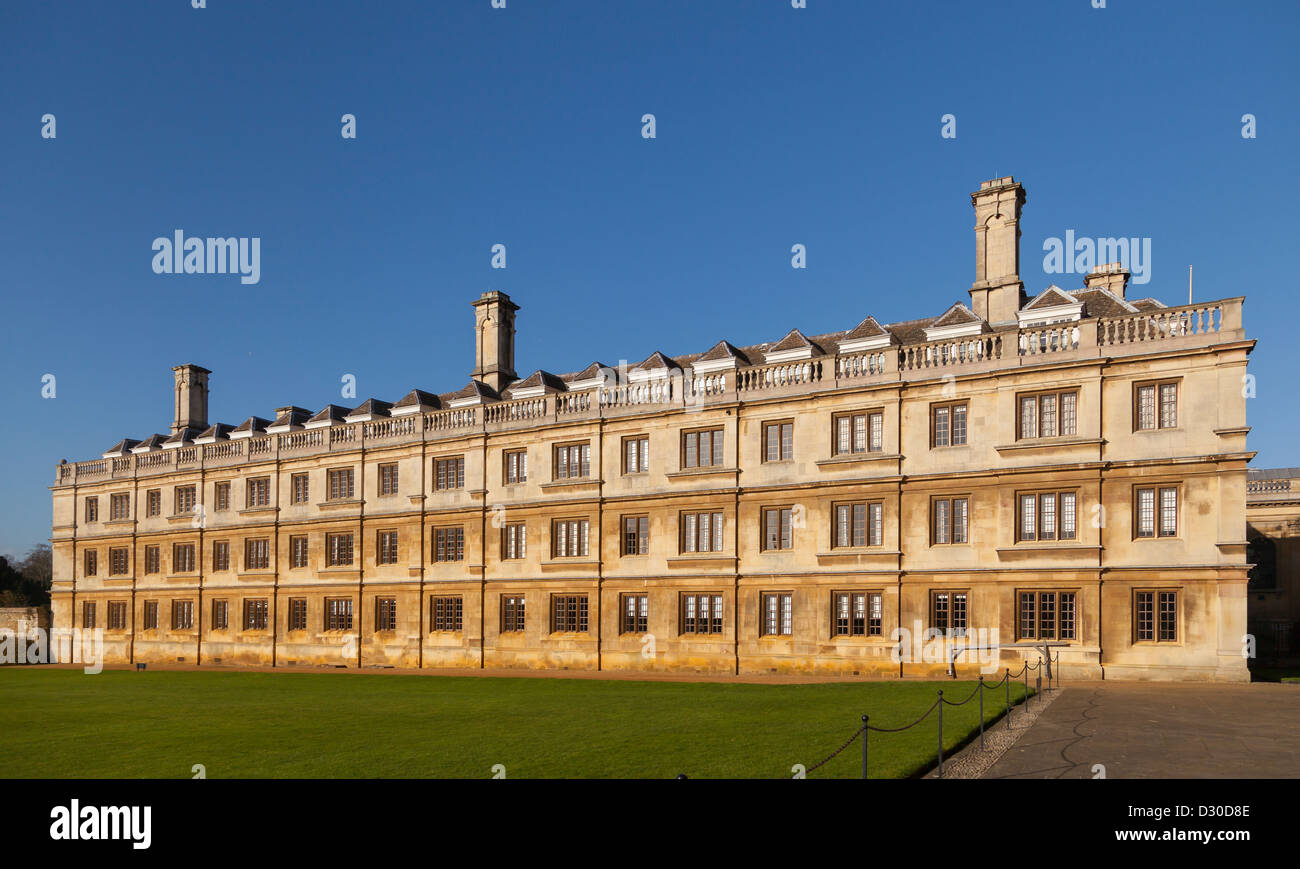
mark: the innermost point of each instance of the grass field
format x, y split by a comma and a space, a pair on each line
124, 724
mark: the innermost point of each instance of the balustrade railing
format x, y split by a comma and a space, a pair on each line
509, 411
1161, 324
860, 365
779, 374
955, 351
302, 440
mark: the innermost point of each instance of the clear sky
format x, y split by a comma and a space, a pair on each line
478, 126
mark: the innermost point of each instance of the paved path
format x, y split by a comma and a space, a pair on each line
1162, 730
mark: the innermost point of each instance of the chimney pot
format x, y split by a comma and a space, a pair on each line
190, 406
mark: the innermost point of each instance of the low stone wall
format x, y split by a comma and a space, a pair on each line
30, 616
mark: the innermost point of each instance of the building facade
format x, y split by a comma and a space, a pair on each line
1273, 535
1068, 468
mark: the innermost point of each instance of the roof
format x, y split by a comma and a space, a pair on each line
329, 413
1097, 302
418, 398
793, 340
1051, 297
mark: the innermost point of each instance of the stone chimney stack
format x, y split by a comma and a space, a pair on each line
1111, 276
997, 293
191, 404
494, 340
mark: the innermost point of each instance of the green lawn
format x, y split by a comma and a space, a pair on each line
124, 724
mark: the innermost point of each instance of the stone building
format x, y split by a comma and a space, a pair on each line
1066, 468
1273, 534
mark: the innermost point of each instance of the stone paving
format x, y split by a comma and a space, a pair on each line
1161, 730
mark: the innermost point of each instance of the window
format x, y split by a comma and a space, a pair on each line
88, 614
183, 558
569, 538
702, 449
778, 441
1048, 414
516, 466
1047, 516
92, 509
182, 615
449, 544
387, 480
152, 559
298, 556
777, 528
514, 541
338, 550
858, 524
636, 455
949, 425
151, 615
1155, 405
258, 491
948, 612
636, 535
568, 614
701, 532
1046, 615
572, 461
257, 554
153, 502
1148, 522
636, 614
1155, 616
385, 614
445, 613
117, 615
948, 523
857, 613
221, 496
220, 555
119, 561
119, 506
184, 498
301, 490
386, 548
777, 614
340, 484
338, 614
92, 562
512, 614
858, 433
220, 615
701, 613
449, 473
255, 612
297, 613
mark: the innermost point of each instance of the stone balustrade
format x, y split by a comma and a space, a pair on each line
1206, 324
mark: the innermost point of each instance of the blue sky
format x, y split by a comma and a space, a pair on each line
522, 126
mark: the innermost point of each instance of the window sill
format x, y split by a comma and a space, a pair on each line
857, 552
567, 563
247, 511
858, 459
579, 481
699, 558
1030, 546
112, 523
339, 504
1048, 443
701, 472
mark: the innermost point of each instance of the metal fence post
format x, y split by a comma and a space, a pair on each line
941, 734
981, 690
1007, 681
1026, 684
864, 746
